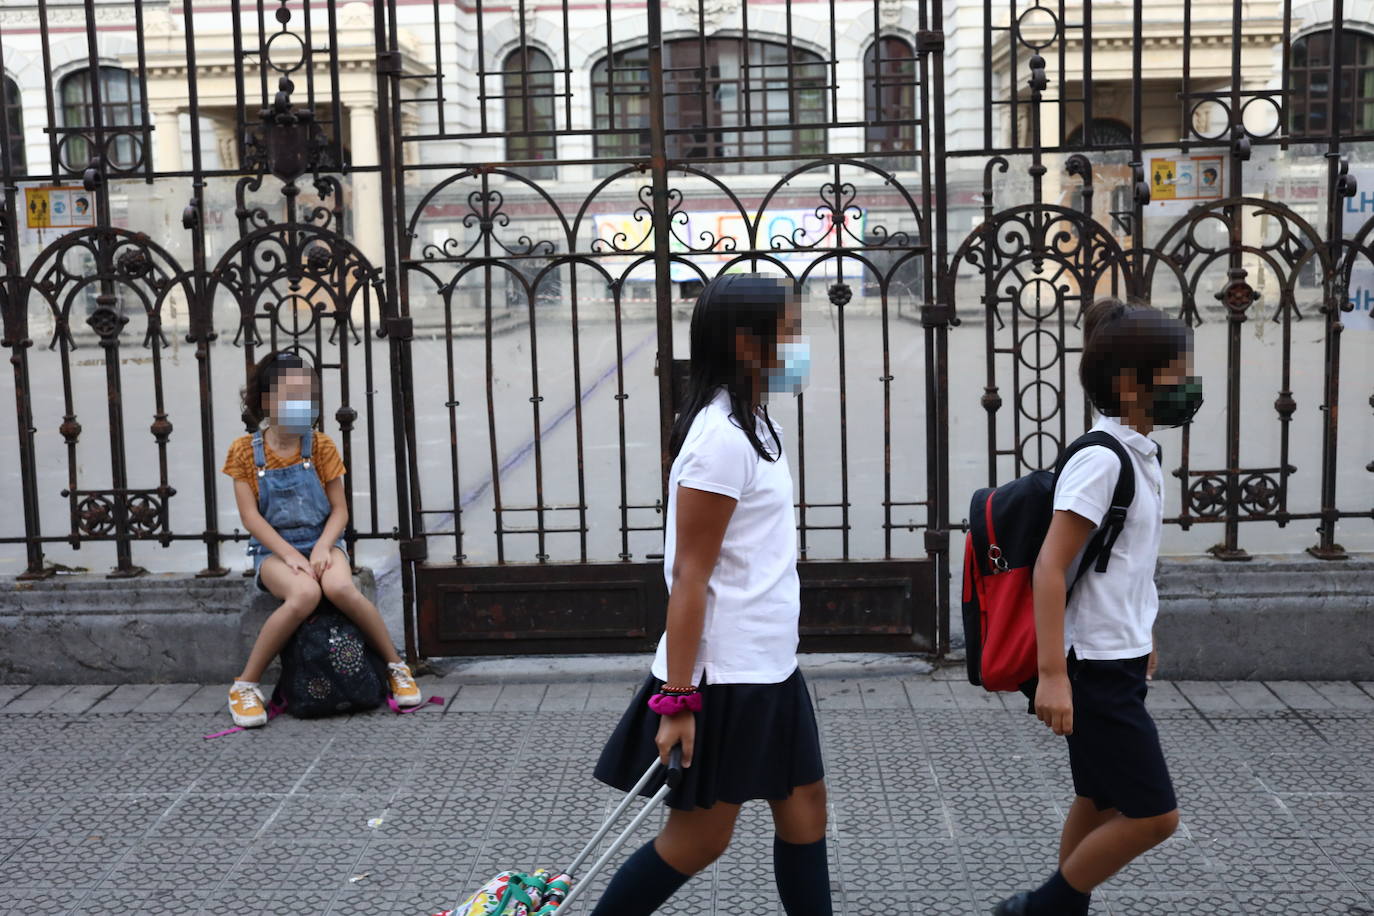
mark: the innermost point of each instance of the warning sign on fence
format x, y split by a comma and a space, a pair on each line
59, 208
1186, 178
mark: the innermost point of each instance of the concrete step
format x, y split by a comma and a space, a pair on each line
86, 629
145, 594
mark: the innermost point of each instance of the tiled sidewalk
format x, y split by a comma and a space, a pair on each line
943, 800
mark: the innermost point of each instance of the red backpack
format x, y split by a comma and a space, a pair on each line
1007, 525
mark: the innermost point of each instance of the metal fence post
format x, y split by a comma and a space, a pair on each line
663, 285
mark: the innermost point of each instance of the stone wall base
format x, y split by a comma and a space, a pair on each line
1273, 618
171, 628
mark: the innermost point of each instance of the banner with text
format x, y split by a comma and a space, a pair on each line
794, 237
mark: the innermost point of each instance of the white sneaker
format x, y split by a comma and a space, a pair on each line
246, 705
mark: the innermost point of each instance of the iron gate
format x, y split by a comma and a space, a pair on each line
486, 223
697, 149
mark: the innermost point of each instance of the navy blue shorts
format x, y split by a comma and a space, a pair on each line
1114, 750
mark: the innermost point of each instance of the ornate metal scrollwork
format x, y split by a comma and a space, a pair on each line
1207, 496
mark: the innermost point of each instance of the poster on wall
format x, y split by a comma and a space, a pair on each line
1358, 211
1187, 178
59, 208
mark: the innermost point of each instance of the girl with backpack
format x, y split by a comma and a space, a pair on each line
1094, 648
289, 489
725, 683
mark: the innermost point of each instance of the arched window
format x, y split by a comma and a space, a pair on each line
121, 106
890, 99
711, 89
529, 95
1105, 132
1310, 78
13, 134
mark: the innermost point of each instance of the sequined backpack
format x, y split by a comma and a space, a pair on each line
327, 668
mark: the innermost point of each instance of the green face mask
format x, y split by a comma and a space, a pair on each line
1175, 405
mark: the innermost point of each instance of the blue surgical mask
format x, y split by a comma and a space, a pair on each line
793, 369
296, 416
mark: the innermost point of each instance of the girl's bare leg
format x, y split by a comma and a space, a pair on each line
300, 595
339, 589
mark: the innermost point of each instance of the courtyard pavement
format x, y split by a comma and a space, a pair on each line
943, 798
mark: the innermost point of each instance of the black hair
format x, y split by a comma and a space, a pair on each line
728, 304
1126, 335
264, 375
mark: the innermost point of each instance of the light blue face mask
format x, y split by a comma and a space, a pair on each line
793, 370
296, 416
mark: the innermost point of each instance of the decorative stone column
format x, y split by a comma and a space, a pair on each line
367, 186
226, 139
166, 138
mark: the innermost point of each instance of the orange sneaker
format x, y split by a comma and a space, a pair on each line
246, 705
403, 686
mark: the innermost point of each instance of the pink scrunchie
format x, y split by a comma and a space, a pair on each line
670, 705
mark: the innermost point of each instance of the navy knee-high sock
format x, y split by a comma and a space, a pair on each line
803, 875
1057, 896
643, 884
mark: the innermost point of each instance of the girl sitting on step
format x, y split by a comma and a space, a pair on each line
288, 483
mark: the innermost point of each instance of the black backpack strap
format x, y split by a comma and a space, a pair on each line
1099, 550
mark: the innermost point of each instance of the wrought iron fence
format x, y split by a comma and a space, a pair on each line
183, 206
1239, 251
517, 203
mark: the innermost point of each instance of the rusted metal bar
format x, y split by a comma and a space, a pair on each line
1334, 296
1237, 290
663, 287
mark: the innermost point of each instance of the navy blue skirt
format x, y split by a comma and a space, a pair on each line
753, 741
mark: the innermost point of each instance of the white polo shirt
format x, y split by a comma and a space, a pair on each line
1111, 614
753, 596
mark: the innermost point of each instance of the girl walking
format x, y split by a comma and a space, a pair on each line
289, 489
1095, 648
725, 682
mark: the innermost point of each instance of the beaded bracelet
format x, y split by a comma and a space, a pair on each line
676, 691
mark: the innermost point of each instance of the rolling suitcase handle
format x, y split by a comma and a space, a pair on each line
673, 780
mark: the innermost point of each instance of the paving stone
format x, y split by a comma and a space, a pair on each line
883, 693
1208, 697
1166, 695
9, 691
1252, 696
611, 697
561, 697
36, 699
209, 698
167, 698
1299, 695
79, 699
837, 694
475, 698
520, 697
970, 696
1344, 695
954, 795
123, 699
928, 693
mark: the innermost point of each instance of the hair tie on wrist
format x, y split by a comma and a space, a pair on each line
671, 705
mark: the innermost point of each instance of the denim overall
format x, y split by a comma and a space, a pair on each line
292, 501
